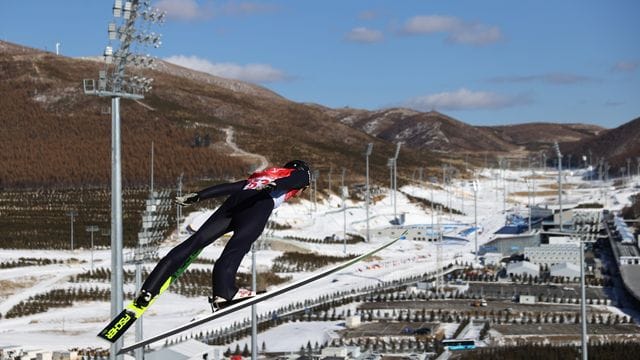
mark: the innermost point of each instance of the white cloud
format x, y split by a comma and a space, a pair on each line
185, 9
256, 73
367, 15
426, 24
246, 7
464, 99
626, 66
457, 30
549, 78
192, 10
364, 35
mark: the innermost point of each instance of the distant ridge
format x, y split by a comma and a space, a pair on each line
54, 135
614, 145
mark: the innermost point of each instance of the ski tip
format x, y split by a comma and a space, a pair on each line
117, 326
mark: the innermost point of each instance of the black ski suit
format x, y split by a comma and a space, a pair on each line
245, 212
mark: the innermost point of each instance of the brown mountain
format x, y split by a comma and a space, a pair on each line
54, 134
423, 130
538, 136
613, 145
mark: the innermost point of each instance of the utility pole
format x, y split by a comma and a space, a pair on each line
179, 208
367, 189
557, 148
330, 171
474, 186
433, 224
390, 165
345, 193
72, 214
583, 305
91, 229
395, 182
314, 179
254, 316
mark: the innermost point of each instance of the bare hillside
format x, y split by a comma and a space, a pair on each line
53, 134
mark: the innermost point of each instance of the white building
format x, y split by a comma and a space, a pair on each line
414, 232
527, 299
558, 240
65, 355
567, 270
553, 254
345, 352
352, 322
523, 268
492, 258
190, 349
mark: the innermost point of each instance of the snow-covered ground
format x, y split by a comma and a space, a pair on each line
63, 328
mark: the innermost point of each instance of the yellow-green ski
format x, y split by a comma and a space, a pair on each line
119, 325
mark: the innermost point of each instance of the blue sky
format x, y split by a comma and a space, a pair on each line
490, 62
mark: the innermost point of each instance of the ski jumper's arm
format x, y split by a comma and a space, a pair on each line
221, 190
298, 179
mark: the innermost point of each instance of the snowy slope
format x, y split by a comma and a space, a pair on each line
63, 328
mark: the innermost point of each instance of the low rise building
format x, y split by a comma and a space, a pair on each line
523, 268
550, 254
566, 270
527, 299
492, 258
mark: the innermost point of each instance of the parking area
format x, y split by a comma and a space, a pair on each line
564, 329
508, 290
382, 328
464, 305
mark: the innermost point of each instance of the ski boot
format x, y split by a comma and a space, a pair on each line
218, 302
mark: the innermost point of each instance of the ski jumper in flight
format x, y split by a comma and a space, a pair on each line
245, 212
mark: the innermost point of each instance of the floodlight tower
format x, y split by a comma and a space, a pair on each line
179, 208
395, 180
557, 149
583, 306
91, 229
474, 186
529, 183
72, 214
113, 83
367, 194
314, 188
390, 165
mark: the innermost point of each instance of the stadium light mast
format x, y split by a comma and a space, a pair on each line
254, 313
344, 192
474, 186
583, 305
91, 229
72, 214
390, 165
395, 181
179, 208
367, 189
113, 83
557, 149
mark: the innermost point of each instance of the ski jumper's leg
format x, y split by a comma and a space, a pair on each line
247, 225
216, 226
